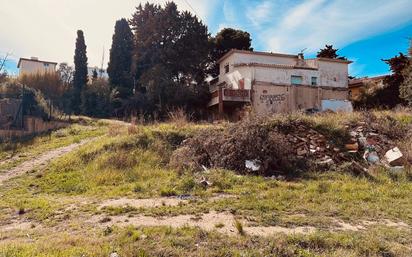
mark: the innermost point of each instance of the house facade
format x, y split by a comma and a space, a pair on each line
278, 83
360, 85
34, 65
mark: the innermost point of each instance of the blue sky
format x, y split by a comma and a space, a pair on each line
365, 31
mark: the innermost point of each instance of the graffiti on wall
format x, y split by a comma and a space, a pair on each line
272, 99
273, 102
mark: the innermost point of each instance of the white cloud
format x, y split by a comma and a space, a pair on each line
47, 28
314, 23
261, 13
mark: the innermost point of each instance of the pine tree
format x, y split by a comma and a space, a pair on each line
406, 86
80, 72
121, 56
171, 50
329, 52
224, 41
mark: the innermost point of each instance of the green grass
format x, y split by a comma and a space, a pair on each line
164, 241
35, 146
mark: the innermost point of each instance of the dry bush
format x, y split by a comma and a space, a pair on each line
48, 83
133, 129
179, 117
230, 148
115, 130
120, 160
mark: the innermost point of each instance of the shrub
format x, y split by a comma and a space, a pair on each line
230, 148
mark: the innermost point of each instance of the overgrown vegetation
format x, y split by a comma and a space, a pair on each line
133, 162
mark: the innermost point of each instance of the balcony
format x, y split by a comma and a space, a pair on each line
227, 95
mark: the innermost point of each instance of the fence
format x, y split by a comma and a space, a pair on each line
20, 116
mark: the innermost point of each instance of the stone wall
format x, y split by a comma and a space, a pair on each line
8, 111
32, 126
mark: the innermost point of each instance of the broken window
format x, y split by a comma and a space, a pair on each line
314, 81
296, 80
227, 68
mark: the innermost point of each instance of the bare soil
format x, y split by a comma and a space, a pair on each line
40, 161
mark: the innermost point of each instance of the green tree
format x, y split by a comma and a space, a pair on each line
224, 41
329, 52
171, 50
121, 56
406, 86
80, 72
96, 99
388, 96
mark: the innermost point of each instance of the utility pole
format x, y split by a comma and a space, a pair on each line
101, 67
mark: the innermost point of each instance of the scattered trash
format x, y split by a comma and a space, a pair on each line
253, 165
206, 170
394, 157
370, 155
203, 182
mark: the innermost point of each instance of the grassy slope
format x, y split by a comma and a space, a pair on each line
31, 147
133, 163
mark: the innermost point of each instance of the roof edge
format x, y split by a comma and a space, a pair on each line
233, 51
31, 60
333, 60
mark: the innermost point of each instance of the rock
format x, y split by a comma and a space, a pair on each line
114, 255
394, 157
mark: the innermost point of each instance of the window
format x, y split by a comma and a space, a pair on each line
46, 65
227, 68
296, 80
314, 81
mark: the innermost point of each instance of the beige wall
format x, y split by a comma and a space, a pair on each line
328, 73
269, 99
33, 67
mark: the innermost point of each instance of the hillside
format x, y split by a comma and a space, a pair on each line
286, 186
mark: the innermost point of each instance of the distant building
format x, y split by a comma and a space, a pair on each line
278, 83
101, 73
358, 85
34, 65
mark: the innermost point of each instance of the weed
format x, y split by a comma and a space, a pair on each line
239, 227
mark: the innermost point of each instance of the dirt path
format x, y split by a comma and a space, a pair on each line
40, 161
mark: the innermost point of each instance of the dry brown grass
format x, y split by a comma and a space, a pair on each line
179, 117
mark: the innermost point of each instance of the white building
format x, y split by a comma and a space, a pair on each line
34, 65
278, 83
101, 73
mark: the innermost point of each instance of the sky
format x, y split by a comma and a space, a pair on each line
365, 31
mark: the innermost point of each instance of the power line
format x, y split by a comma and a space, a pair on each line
191, 7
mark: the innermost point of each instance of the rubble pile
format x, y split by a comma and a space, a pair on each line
295, 146
311, 144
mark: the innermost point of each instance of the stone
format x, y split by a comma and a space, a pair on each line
114, 255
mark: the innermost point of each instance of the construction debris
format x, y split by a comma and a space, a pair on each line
254, 165
264, 148
394, 157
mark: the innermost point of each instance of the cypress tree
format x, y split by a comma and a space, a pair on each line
80, 72
119, 68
